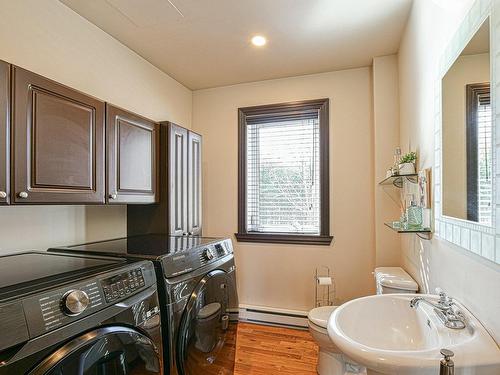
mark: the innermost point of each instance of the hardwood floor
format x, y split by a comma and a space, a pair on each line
264, 350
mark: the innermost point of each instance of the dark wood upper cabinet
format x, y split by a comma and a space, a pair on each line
132, 149
4, 131
194, 185
58, 142
179, 211
177, 179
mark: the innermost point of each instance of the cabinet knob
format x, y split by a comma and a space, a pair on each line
23, 195
3, 194
190, 233
112, 196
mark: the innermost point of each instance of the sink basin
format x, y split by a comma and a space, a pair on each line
384, 334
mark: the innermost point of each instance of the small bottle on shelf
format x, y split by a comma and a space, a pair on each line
397, 158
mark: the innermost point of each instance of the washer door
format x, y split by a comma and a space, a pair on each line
108, 350
206, 342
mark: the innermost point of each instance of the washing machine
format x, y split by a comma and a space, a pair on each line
198, 297
66, 315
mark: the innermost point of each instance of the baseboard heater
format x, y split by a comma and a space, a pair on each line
272, 316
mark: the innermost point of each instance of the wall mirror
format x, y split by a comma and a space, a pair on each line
467, 138
467, 133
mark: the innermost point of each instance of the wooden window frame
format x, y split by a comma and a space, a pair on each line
275, 112
472, 93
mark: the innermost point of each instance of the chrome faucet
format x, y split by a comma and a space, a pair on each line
446, 310
444, 304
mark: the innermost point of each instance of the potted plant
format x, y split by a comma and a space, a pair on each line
407, 163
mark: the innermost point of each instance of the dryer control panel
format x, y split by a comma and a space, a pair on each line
193, 258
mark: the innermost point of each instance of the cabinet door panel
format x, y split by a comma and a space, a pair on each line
62, 142
58, 142
194, 184
133, 146
4, 131
177, 173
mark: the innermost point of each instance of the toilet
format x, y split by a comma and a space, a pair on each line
390, 280
331, 360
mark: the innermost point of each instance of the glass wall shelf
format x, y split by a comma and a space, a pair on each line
400, 229
422, 232
398, 180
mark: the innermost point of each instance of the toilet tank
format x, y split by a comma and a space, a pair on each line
394, 280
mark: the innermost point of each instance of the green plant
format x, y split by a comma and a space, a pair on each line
410, 157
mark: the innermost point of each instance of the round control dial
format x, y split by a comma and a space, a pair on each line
208, 254
75, 302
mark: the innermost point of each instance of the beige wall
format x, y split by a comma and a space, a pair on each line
282, 275
50, 39
470, 279
466, 70
385, 141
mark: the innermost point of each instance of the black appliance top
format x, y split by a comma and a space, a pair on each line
177, 255
31, 271
149, 246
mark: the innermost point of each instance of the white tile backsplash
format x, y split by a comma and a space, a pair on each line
497, 257
456, 235
488, 246
465, 238
449, 232
475, 242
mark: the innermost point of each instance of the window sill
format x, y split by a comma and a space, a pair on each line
296, 239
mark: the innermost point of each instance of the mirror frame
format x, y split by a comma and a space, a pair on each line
482, 240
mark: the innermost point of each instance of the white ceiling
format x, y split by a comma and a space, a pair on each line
209, 44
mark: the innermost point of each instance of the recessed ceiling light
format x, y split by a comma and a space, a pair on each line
259, 40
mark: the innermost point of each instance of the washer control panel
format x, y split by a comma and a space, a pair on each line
121, 285
59, 306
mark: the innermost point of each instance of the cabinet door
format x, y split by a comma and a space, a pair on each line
177, 179
58, 142
132, 149
194, 205
4, 131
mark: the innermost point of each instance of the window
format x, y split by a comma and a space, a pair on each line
283, 173
479, 153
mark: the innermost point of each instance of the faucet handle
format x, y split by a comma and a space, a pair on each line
443, 297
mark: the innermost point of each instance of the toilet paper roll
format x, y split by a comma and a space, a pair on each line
324, 280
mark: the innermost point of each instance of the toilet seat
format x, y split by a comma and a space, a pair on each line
319, 316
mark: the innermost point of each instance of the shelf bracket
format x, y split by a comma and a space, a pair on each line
426, 236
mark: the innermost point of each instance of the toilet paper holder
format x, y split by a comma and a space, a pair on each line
324, 287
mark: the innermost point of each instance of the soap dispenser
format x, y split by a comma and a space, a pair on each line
414, 214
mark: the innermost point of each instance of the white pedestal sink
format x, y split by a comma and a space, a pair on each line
386, 335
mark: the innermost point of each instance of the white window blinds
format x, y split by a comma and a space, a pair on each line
283, 176
485, 190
